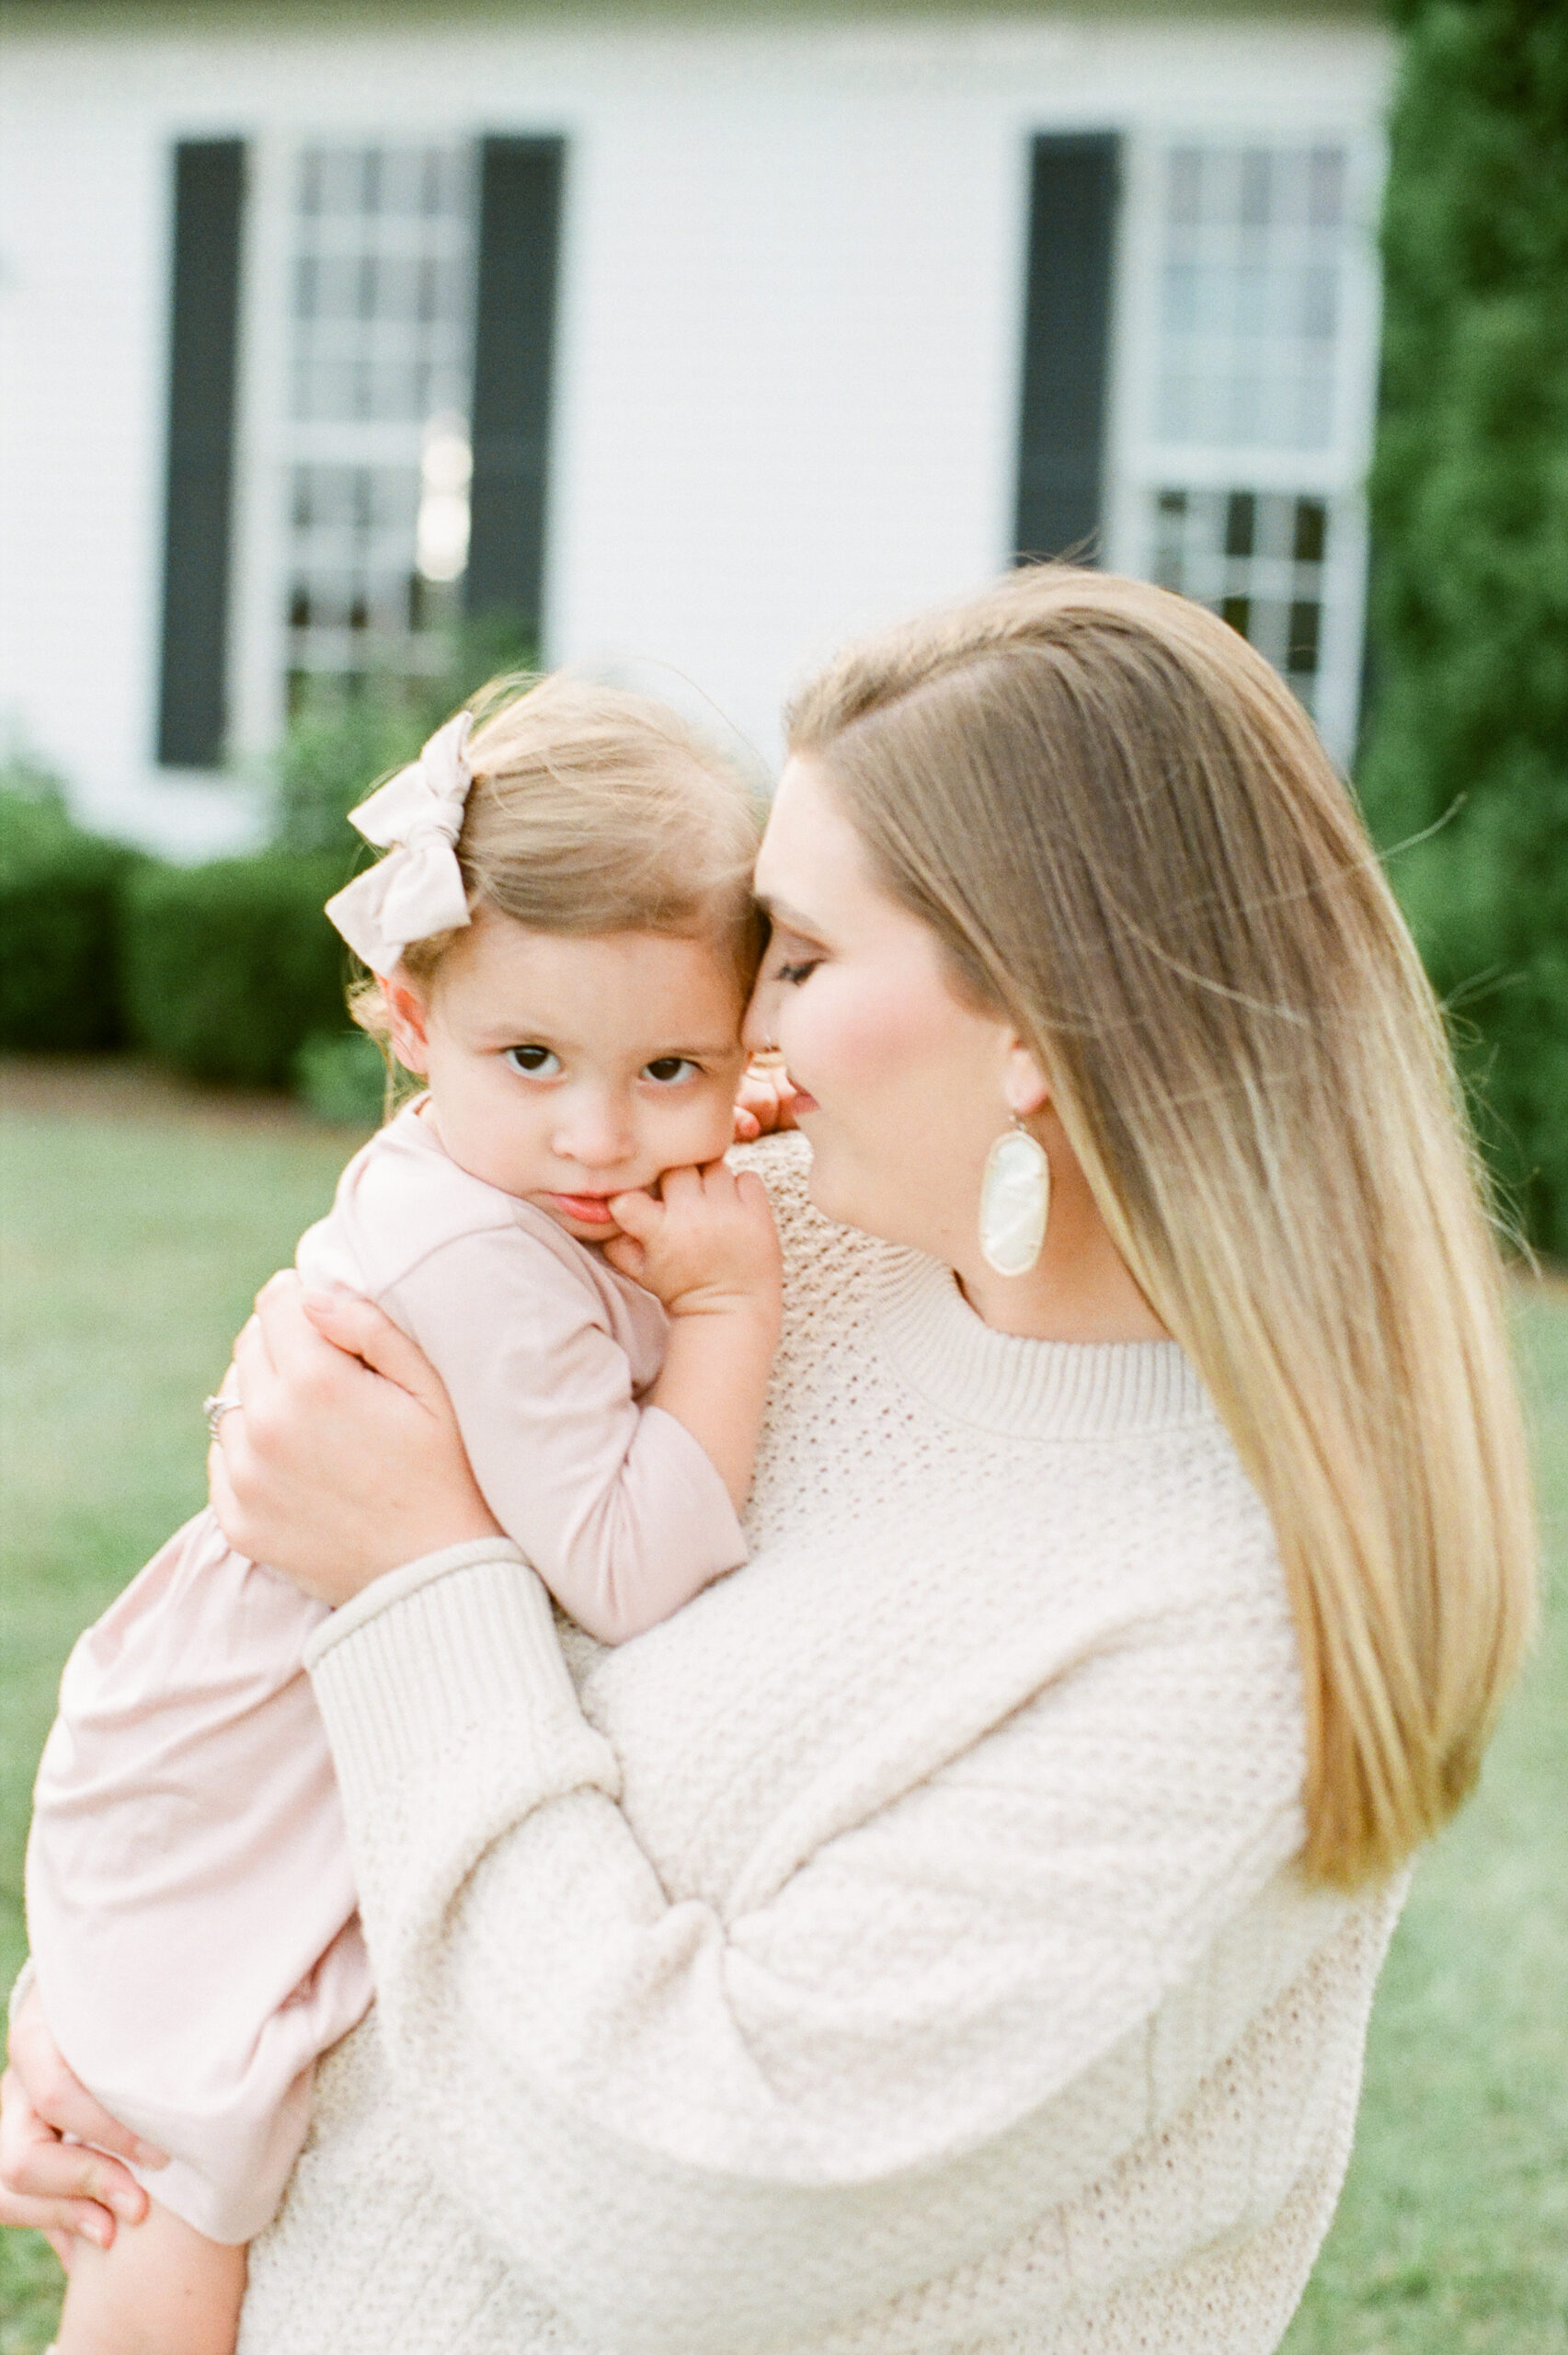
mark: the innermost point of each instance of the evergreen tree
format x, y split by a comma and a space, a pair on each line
1468, 729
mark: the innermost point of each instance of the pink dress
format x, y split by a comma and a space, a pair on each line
190, 1903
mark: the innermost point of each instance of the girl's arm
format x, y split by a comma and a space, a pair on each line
625, 1503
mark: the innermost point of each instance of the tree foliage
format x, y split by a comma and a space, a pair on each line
1468, 732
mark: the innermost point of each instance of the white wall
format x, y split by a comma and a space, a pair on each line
788, 368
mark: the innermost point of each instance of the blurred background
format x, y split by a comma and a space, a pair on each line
350, 353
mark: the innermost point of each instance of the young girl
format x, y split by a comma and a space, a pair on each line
565, 938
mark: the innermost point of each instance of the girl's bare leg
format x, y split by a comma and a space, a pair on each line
162, 2288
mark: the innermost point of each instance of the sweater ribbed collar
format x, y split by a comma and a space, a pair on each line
1027, 1389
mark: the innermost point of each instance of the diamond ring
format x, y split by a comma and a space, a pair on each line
216, 1408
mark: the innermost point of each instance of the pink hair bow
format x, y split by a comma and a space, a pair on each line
417, 817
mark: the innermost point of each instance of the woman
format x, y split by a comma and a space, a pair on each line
957, 1928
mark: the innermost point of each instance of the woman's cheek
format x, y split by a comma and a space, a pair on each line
843, 1035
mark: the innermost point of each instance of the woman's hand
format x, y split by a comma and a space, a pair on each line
343, 1460
47, 2184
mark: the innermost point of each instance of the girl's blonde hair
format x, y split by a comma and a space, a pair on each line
1124, 831
596, 810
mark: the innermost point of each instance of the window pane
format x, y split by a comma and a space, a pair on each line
1256, 558
1254, 254
382, 332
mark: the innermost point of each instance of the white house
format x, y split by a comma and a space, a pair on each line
696, 338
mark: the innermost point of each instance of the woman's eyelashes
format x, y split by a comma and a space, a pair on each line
792, 971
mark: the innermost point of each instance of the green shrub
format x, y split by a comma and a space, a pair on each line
1469, 731
336, 748
344, 736
60, 933
230, 967
340, 1076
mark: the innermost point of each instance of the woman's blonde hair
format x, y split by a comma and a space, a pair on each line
1124, 831
596, 810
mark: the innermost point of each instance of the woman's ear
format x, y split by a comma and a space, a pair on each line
407, 1014
1025, 1086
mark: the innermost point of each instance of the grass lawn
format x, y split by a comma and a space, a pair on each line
136, 1224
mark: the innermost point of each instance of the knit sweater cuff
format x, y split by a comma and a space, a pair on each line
383, 1592
457, 1659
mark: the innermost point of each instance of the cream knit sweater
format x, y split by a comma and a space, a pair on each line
897, 1952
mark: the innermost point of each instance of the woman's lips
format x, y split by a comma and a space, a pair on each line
800, 1101
588, 1210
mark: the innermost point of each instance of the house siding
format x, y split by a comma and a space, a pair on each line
788, 349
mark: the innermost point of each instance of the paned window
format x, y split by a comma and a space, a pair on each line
379, 375
1257, 557
1250, 295
1248, 445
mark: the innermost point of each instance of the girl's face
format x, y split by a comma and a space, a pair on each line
905, 1086
565, 1070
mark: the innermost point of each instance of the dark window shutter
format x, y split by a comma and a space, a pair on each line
208, 185
520, 210
1066, 343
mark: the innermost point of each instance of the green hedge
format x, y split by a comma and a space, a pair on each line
230, 967
221, 972
1468, 730
59, 933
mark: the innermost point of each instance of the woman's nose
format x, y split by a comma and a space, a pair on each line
762, 1013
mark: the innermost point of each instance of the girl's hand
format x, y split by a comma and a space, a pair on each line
51, 2185
343, 1460
708, 1249
708, 1246
765, 1102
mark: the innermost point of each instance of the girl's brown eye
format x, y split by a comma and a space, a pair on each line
534, 1062
668, 1068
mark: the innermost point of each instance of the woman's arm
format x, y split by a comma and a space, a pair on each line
921, 2021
